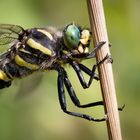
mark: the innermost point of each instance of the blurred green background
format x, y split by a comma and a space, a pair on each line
29, 109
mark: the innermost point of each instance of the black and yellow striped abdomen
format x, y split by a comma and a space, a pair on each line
21, 65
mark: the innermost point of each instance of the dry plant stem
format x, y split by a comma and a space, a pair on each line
98, 26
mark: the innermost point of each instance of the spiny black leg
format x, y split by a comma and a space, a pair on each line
88, 71
77, 69
74, 98
121, 108
62, 99
98, 46
80, 75
61, 92
107, 57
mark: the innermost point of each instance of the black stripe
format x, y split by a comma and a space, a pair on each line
29, 58
41, 38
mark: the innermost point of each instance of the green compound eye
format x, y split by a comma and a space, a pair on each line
71, 36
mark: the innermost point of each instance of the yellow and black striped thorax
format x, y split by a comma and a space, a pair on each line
40, 40
40, 45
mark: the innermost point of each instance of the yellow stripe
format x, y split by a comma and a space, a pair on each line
35, 45
23, 63
23, 50
3, 76
46, 33
27, 52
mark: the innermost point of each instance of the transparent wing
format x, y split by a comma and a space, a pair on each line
6, 39
9, 32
